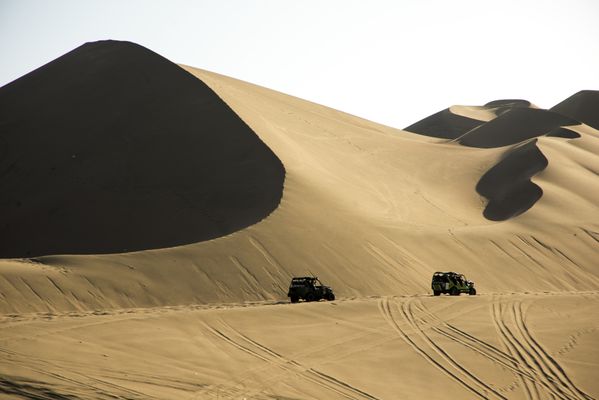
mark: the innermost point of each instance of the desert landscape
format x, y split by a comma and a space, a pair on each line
153, 215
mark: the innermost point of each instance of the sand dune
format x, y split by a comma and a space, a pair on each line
581, 106
507, 185
505, 193
444, 124
501, 106
113, 148
514, 126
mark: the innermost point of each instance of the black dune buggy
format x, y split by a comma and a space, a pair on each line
309, 288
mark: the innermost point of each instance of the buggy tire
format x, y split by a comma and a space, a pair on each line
310, 297
472, 292
436, 293
294, 299
330, 297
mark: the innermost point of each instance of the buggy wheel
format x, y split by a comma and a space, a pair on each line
294, 299
309, 297
436, 293
330, 297
472, 291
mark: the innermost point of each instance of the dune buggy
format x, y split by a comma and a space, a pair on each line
451, 283
309, 288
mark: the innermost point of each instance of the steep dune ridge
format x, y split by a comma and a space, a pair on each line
503, 105
514, 122
113, 148
444, 124
456, 120
514, 126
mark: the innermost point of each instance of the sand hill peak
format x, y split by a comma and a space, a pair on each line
113, 148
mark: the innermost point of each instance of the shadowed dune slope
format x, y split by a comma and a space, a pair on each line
582, 106
444, 124
514, 126
507, 185
113, 148
511, 103
563, 133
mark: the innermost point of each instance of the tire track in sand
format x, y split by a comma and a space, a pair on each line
550, 376
387, 314
531, 388
278, 361
550, 367
479, 346
408, 312
95, 385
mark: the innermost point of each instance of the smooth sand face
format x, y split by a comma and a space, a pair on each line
373, 211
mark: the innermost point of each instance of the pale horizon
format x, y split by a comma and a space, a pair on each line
390, 62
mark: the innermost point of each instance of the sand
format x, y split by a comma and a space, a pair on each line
500, 346
373, 211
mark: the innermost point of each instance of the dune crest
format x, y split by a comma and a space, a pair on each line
514, 126
501, 106
444, 124
510, 122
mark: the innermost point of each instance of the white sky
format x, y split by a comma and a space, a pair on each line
393, 62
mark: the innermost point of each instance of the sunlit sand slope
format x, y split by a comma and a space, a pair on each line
370, 209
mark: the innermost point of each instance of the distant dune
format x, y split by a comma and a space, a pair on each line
581, 106
444, 124
514, 126
507, 185
503, 105
112, 148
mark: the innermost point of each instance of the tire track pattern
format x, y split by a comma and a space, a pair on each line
426, 348
550, 378
481, 347
278, 361
77, 381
